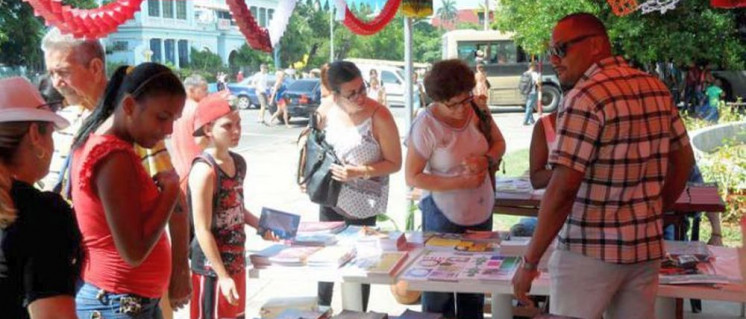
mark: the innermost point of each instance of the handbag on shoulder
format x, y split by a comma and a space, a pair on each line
314, 166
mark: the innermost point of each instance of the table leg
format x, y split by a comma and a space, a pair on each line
502, 306
665, 308
352, 296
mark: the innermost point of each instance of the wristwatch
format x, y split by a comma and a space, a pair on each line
527, 265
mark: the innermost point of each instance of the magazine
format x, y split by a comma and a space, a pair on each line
284, 225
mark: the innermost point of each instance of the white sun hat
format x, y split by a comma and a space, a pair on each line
20, 101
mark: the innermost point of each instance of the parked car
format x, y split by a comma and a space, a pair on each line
245, 92
303, 97
390, 77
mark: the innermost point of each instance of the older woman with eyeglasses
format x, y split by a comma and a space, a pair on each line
365, 138
449, 156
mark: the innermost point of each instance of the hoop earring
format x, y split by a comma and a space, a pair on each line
41, 155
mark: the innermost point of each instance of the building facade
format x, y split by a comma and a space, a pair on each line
165, 31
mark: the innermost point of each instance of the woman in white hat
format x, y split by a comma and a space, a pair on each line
39, 239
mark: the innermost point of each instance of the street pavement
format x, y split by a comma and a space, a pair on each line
271, 155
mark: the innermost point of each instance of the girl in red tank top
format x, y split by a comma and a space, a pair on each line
121, 211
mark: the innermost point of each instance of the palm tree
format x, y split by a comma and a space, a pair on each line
447, 13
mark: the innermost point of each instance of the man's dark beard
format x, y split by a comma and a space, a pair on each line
566, 88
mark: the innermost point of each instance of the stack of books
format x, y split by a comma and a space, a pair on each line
384, 264
273, 307
332, 256
321, 227
293, 256
348, 314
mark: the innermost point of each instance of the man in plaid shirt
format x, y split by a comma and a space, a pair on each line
622, 157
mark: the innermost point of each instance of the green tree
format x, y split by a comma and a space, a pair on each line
447, 12
247, 57
205, 60
692, 32
21, 32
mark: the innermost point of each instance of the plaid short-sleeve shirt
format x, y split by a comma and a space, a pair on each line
617, 127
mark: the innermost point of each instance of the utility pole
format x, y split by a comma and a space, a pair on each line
331, 35
486, 15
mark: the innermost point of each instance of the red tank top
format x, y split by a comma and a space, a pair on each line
103, 266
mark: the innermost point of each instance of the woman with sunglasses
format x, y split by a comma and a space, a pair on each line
448, 157
366, 140
40, 250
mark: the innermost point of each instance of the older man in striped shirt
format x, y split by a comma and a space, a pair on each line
622, 157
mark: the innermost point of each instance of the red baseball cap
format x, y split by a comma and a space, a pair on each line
211, 108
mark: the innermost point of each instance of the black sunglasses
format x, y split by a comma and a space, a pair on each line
560, 50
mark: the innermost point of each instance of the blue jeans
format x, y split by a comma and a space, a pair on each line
530, 103
461, 306
93, 302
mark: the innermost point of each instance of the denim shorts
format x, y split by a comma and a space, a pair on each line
92, 302
433, 220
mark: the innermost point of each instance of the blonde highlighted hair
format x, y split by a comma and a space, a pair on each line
8, 211
11, 134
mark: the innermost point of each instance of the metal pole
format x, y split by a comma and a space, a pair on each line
408, 73
486, 15
331, 35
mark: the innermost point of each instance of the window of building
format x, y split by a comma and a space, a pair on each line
254, 12
170, 46
155, 46
270, 14
262, 17
119, 46
154, 8
183, 53
168, 9
181, 10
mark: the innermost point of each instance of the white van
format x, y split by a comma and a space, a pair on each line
392, 79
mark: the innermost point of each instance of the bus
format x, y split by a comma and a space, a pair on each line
504, 63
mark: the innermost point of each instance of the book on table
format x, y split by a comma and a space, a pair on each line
385, 263
260, 259
455, 266
411, 314
689, 270
304, 314
383, 240
321, 227
697, 249
331, 256
293, 255
283, 224
349, 314
313, 239
273, 307
468, 242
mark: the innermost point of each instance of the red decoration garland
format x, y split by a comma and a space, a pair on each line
93, 23
728, 4
362, 28
257, 37
622, 7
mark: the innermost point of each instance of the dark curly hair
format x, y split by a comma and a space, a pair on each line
449, 78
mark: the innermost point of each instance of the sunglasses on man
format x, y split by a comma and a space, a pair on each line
560, 50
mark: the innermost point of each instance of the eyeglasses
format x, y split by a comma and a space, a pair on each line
462, 102
560, 50
355, 93
51, 106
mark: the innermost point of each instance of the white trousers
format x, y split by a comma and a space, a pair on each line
588, 288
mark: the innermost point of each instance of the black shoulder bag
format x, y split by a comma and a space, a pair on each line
314, 166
